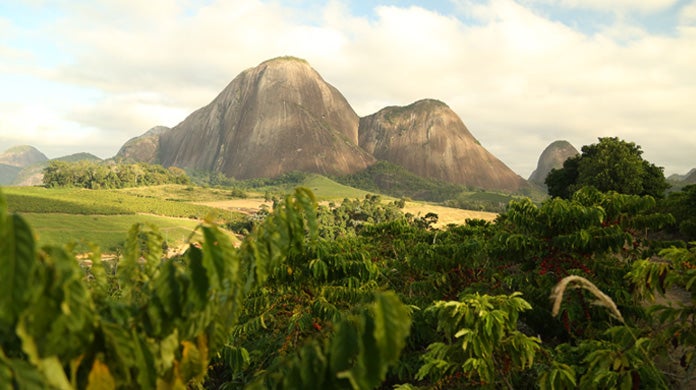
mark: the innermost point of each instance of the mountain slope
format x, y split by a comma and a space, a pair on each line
278, 117
429, 139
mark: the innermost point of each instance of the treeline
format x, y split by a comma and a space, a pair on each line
93, 175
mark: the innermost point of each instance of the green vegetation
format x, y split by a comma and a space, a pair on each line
106, 202
106, 231
103, 217
358, 295
95, 175
610, 165
393, 180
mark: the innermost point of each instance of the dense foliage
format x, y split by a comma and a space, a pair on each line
609, 165
682, 205
358, 295
97, 175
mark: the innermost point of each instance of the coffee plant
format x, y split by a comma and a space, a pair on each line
360, 296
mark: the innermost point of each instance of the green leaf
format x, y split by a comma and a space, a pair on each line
17, 262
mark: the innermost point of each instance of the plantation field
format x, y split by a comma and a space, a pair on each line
148, 200
107, 231
327, 189
103, 217
179, 193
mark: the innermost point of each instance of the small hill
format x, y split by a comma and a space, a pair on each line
78, 157
690, 178
430, 140
679, 178
144, 148
15, 159
33, 175
552, 158
22, 156
278, 117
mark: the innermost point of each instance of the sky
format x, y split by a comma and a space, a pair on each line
86, 76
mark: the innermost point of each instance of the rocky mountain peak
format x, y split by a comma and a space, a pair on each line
429, 139
552, 158
278, 117
143, 148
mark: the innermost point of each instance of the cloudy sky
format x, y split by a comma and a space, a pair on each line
88, 75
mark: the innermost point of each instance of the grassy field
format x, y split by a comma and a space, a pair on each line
327, 189
150, 200
107, 231
104, 217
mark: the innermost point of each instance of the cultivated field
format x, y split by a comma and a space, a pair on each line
446, 215
104, 217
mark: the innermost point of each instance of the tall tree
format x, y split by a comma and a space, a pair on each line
610, 165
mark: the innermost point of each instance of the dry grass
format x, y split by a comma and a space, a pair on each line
580, 282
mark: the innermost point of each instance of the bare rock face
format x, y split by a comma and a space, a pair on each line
22, 156
278, 117
144, 148
552, 158
430, 140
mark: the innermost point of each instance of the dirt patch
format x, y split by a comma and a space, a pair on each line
245, 206
447, 215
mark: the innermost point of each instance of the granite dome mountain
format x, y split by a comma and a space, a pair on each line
552, 158
430, 140
282, 116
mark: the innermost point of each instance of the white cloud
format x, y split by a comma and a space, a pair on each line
619, 6
687, 15
518, 79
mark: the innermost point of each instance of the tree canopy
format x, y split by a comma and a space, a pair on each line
610, 165
92, 175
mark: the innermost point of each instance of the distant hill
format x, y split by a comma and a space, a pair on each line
22, 156
78, 157
32, 175
691, 175
16, 159
552, 158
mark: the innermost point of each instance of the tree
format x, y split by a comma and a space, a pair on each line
610, 165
